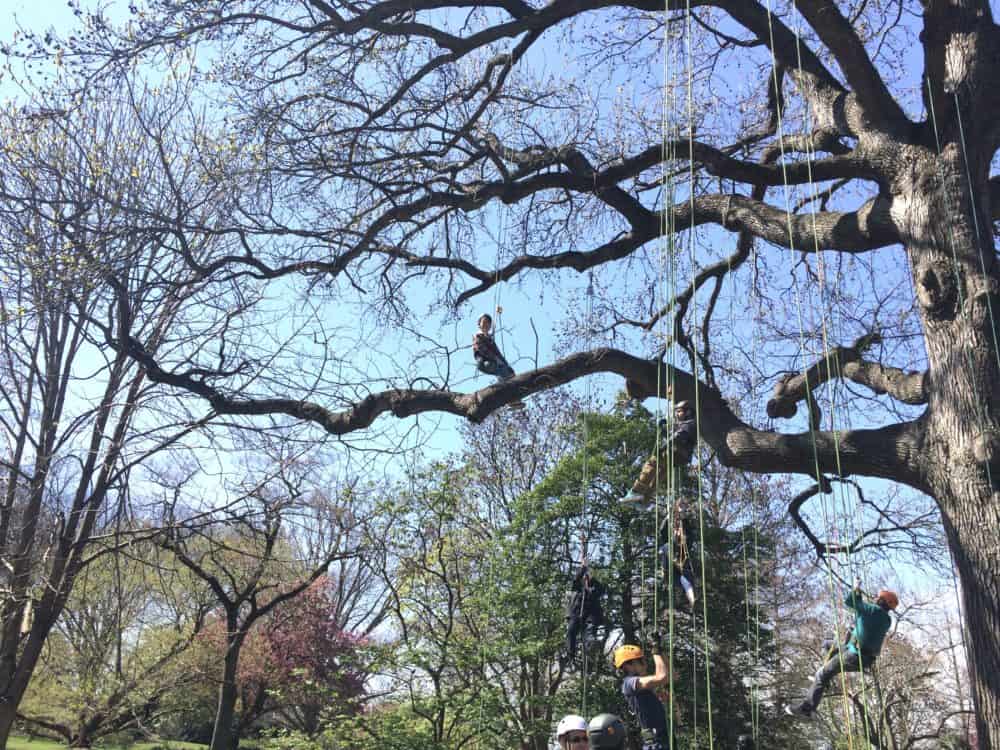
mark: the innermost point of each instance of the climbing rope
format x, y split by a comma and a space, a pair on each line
585, 520
809, 155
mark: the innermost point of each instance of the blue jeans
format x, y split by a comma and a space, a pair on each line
843, 660
502, 370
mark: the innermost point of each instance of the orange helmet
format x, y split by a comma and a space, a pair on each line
626, 653
889, 597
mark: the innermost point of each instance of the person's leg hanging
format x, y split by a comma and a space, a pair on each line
843, 660
572, 631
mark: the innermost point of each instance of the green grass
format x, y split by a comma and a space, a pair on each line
23, 743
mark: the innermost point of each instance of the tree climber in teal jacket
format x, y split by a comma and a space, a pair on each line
871, 626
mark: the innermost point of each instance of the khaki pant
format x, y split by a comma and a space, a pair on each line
656, 471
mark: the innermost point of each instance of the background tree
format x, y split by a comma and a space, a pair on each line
321, 666
256, 553
112, 656
476, 595
431, 568
78, 417
297, 668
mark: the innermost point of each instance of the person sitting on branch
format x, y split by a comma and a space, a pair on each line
871, 626
676, 451
489, 358
639, 691
585, 613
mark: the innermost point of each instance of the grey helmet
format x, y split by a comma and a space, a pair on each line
606, 732
683, 405
745, 742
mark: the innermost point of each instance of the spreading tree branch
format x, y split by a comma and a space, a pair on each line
839, 36
845, 362
859, 543
884, 452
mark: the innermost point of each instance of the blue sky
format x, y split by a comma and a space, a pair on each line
530, 306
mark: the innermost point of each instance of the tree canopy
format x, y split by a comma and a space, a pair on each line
711, 201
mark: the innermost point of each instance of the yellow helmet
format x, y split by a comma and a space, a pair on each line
626, 653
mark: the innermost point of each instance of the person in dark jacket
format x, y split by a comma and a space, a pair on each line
871, 626
489, 358
639, 689
585, 614
676, 538
674, 452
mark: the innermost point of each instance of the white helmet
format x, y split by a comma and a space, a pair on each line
571, 723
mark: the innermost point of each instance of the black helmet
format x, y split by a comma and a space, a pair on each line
606, 732
744, 742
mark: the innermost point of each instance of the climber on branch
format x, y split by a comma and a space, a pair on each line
489, 358
673, 453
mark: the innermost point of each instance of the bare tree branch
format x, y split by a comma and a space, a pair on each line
846, 362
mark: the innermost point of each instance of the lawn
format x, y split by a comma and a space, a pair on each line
23, 743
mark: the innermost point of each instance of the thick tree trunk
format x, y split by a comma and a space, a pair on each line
88, 728
974, 537
24, 666
8, 715
83, 738
957, 286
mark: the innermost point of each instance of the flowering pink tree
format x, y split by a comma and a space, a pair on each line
317, 666
298, 665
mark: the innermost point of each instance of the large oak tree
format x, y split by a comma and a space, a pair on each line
810, 156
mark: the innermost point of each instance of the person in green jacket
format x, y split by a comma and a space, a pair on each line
871, 626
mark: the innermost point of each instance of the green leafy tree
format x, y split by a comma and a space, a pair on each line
482, 558
725, 644
115, 652
477, 581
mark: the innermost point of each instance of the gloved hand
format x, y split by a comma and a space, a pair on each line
656, 643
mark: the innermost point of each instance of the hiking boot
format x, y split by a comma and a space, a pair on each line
800, 711
634, 499
688, 590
